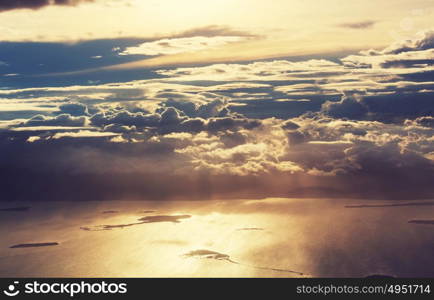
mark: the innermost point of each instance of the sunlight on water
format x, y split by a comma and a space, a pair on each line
231, 238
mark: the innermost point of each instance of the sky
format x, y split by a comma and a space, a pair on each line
196, 100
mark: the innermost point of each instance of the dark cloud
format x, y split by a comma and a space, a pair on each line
290, 125
348, 107
97, 169
394, 107
407, 63
74, 109
211, 105
169, 119
36, 4
228, 123
427, 121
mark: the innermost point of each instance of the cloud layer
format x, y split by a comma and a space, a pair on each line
361, 126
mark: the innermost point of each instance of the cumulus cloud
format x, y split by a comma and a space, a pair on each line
348, 107
411, 53
127, 118
410, 59
60, 120
350, 158
358, 127
74, 109
274, 157
423, 41
395, 107
427, 121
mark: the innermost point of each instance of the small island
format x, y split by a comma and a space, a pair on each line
34, 245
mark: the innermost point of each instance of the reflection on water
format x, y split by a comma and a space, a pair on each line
242, 238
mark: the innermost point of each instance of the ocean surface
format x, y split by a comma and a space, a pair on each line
228, 238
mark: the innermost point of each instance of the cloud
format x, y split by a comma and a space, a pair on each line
261, 70
83, 134
32, 139
60, 120
74, 109
181, 45
213, 31
355, 127
46, 128
348, 107
427, 121
386, 108
210, 106
416, 52
36, 4
119, 128
410, 59
424, 40
350, 158
358, 25
124, 117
